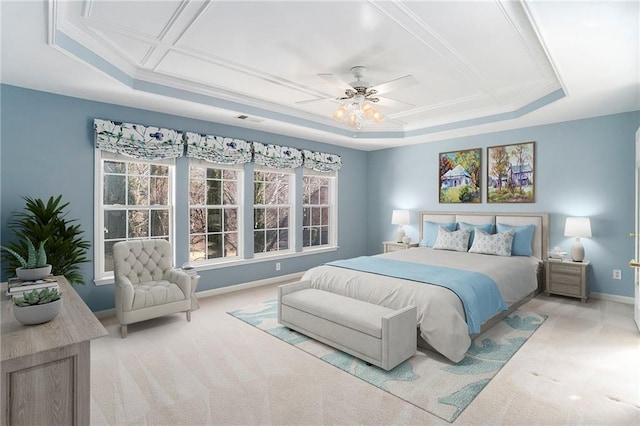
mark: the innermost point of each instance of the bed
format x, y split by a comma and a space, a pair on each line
441, 315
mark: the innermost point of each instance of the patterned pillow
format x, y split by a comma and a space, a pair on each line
498, 244
456, 240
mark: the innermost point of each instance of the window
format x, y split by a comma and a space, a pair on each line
214, 209
272, 212
318, 207
135, 203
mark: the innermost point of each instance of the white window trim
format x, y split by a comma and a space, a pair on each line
100, 277
333, 217
292, 213
239, 168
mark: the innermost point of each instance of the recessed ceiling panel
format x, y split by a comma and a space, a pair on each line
148, 18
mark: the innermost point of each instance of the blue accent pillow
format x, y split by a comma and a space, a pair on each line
430, 232
522, 240
487, 227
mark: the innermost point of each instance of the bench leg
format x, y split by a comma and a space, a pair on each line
123, 330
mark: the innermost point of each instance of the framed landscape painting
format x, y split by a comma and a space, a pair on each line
510, 173
460, 176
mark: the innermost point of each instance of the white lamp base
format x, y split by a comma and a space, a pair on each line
400, 234
577, 251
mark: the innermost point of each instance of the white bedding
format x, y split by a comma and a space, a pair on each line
441, 316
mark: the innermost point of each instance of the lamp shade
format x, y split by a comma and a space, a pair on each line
400, 217
577, 227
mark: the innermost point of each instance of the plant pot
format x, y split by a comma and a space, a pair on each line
37, 314
34, 273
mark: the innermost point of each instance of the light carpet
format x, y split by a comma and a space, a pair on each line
427, 380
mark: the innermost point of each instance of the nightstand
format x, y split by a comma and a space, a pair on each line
567, 278
390, 246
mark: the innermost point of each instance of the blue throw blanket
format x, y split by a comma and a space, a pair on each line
479, 293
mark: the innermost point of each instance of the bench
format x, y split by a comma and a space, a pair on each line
378, 335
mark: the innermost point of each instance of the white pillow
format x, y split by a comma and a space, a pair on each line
498, 244
456, 240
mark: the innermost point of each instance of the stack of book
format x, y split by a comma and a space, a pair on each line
15, 286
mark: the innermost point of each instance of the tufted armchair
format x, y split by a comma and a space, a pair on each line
146, 285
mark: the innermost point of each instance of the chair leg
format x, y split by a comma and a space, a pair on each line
188, 315
123, 330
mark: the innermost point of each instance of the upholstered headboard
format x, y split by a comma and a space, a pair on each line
540, 243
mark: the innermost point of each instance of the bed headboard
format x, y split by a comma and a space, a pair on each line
540, 244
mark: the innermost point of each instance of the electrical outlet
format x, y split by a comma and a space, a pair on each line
617, 274
277, 266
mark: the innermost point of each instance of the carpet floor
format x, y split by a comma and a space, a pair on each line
426, 380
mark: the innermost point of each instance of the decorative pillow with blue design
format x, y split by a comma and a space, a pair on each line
497, 244
430, 231
522, 239
452, 240
487, 227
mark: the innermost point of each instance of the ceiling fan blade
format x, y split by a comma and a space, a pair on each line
392, 103
336, 81
397, 84
310, 101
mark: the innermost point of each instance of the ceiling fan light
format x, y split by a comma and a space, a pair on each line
377, 117
368, 111
352, 120
339, 114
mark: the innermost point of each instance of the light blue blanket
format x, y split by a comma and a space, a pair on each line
478, 292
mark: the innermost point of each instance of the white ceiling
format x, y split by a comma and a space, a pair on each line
481, 66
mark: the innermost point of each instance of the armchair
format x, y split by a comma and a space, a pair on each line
146, 285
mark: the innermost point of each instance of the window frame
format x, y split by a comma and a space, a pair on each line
333, 209
240, 172
100, 275
292, 212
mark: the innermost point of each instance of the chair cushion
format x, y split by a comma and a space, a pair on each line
152, 293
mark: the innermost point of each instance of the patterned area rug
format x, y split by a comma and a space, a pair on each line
427, 380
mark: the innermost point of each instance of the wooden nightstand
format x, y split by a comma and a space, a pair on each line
390, 246
567, 278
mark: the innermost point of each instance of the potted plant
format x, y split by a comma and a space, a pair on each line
37, 306
35, 267
40, 221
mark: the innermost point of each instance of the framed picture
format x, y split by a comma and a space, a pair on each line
460, 176
511, 173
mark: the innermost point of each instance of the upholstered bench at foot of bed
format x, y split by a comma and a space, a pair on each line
376, 334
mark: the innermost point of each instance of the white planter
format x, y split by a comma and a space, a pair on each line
34, 273
37, 314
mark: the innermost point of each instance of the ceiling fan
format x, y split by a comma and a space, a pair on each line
359, 95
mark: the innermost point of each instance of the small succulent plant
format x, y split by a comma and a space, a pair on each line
35, 258
37, 297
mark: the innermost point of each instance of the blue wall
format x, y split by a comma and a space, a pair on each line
583, 168
48, 149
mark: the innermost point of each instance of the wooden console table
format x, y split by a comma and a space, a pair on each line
46, 367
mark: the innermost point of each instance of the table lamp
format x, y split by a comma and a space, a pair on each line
400, 217
577, 227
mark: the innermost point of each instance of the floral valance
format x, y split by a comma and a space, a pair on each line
322, 161
276, 157
217, 149
138, 141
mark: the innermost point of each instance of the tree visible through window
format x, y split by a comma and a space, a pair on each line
316, 211
213, 202
136, 203
272, 211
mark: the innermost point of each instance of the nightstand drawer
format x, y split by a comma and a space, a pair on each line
566, 279
564, 269
568, 290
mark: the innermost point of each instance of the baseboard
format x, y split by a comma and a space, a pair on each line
222, 290
259, 283
613, 298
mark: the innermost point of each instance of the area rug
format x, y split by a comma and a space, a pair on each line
427, 380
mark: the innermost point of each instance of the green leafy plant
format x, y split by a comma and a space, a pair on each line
40, 221
35, 259
37, 297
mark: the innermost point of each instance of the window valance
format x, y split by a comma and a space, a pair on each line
138, 141
321, 161
217, 149
276, 157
